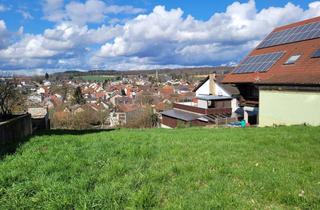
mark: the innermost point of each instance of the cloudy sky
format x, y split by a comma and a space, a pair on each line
56, 35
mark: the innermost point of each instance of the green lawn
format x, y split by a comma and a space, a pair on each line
194, 168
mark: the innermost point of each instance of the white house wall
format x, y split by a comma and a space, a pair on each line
204, 90
289, 108
202, 104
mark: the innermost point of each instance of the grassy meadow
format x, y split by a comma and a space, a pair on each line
193, 168
97, 78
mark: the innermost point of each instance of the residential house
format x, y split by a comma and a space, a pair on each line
46, 83
34, 98
167, 90
40, 118
124, 114
41, 90
279, 81
213, 106
118, 99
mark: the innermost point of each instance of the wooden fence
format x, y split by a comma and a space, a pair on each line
14, 131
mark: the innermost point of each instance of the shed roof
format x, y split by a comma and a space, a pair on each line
213, 97
182, 115
37, 112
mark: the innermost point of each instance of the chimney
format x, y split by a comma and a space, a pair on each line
212, 84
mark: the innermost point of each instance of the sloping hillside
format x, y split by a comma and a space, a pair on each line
258, 168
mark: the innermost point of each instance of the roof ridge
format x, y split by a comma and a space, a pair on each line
298, 23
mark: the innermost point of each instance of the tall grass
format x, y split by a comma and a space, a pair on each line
194, 168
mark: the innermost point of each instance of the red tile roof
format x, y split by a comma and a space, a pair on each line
167, 90
127, 107
100, 94
306, 71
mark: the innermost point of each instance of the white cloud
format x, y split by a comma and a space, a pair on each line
25, 14
4, 35
162, 38
314, 10
3, 26
126, 9
166, 37
91, 11
2, 8
53, 10
65, 45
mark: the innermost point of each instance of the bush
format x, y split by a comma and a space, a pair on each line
143, 119
77, 121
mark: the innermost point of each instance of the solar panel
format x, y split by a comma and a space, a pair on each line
258, 63
299, 33
316, 54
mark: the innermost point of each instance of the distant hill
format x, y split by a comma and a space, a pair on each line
191, 71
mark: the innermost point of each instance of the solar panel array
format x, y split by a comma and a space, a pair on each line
258, 63
299, 33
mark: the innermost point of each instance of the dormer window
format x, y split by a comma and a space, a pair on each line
292, 60
316, 54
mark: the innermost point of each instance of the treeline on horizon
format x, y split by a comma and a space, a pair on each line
196, 70
176, 71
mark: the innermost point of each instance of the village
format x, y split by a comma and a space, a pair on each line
271, 86
127, 102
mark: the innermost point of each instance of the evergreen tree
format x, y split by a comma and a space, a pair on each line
46, 76
78, 97
123, 92
105, 84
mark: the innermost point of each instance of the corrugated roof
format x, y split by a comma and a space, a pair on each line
306, 71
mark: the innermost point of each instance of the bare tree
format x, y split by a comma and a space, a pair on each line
10, 98
144, 119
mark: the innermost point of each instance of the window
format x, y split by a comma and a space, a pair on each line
292, 59
316, 54
211, 104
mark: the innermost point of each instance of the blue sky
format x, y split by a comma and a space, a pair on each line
56, 35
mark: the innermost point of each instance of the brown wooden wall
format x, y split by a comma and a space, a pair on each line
169, 121
173, 122
14, 131
222, 107
189, 108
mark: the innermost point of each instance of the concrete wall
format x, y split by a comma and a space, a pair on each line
202, 104
289, 108
234, 104
13, 131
